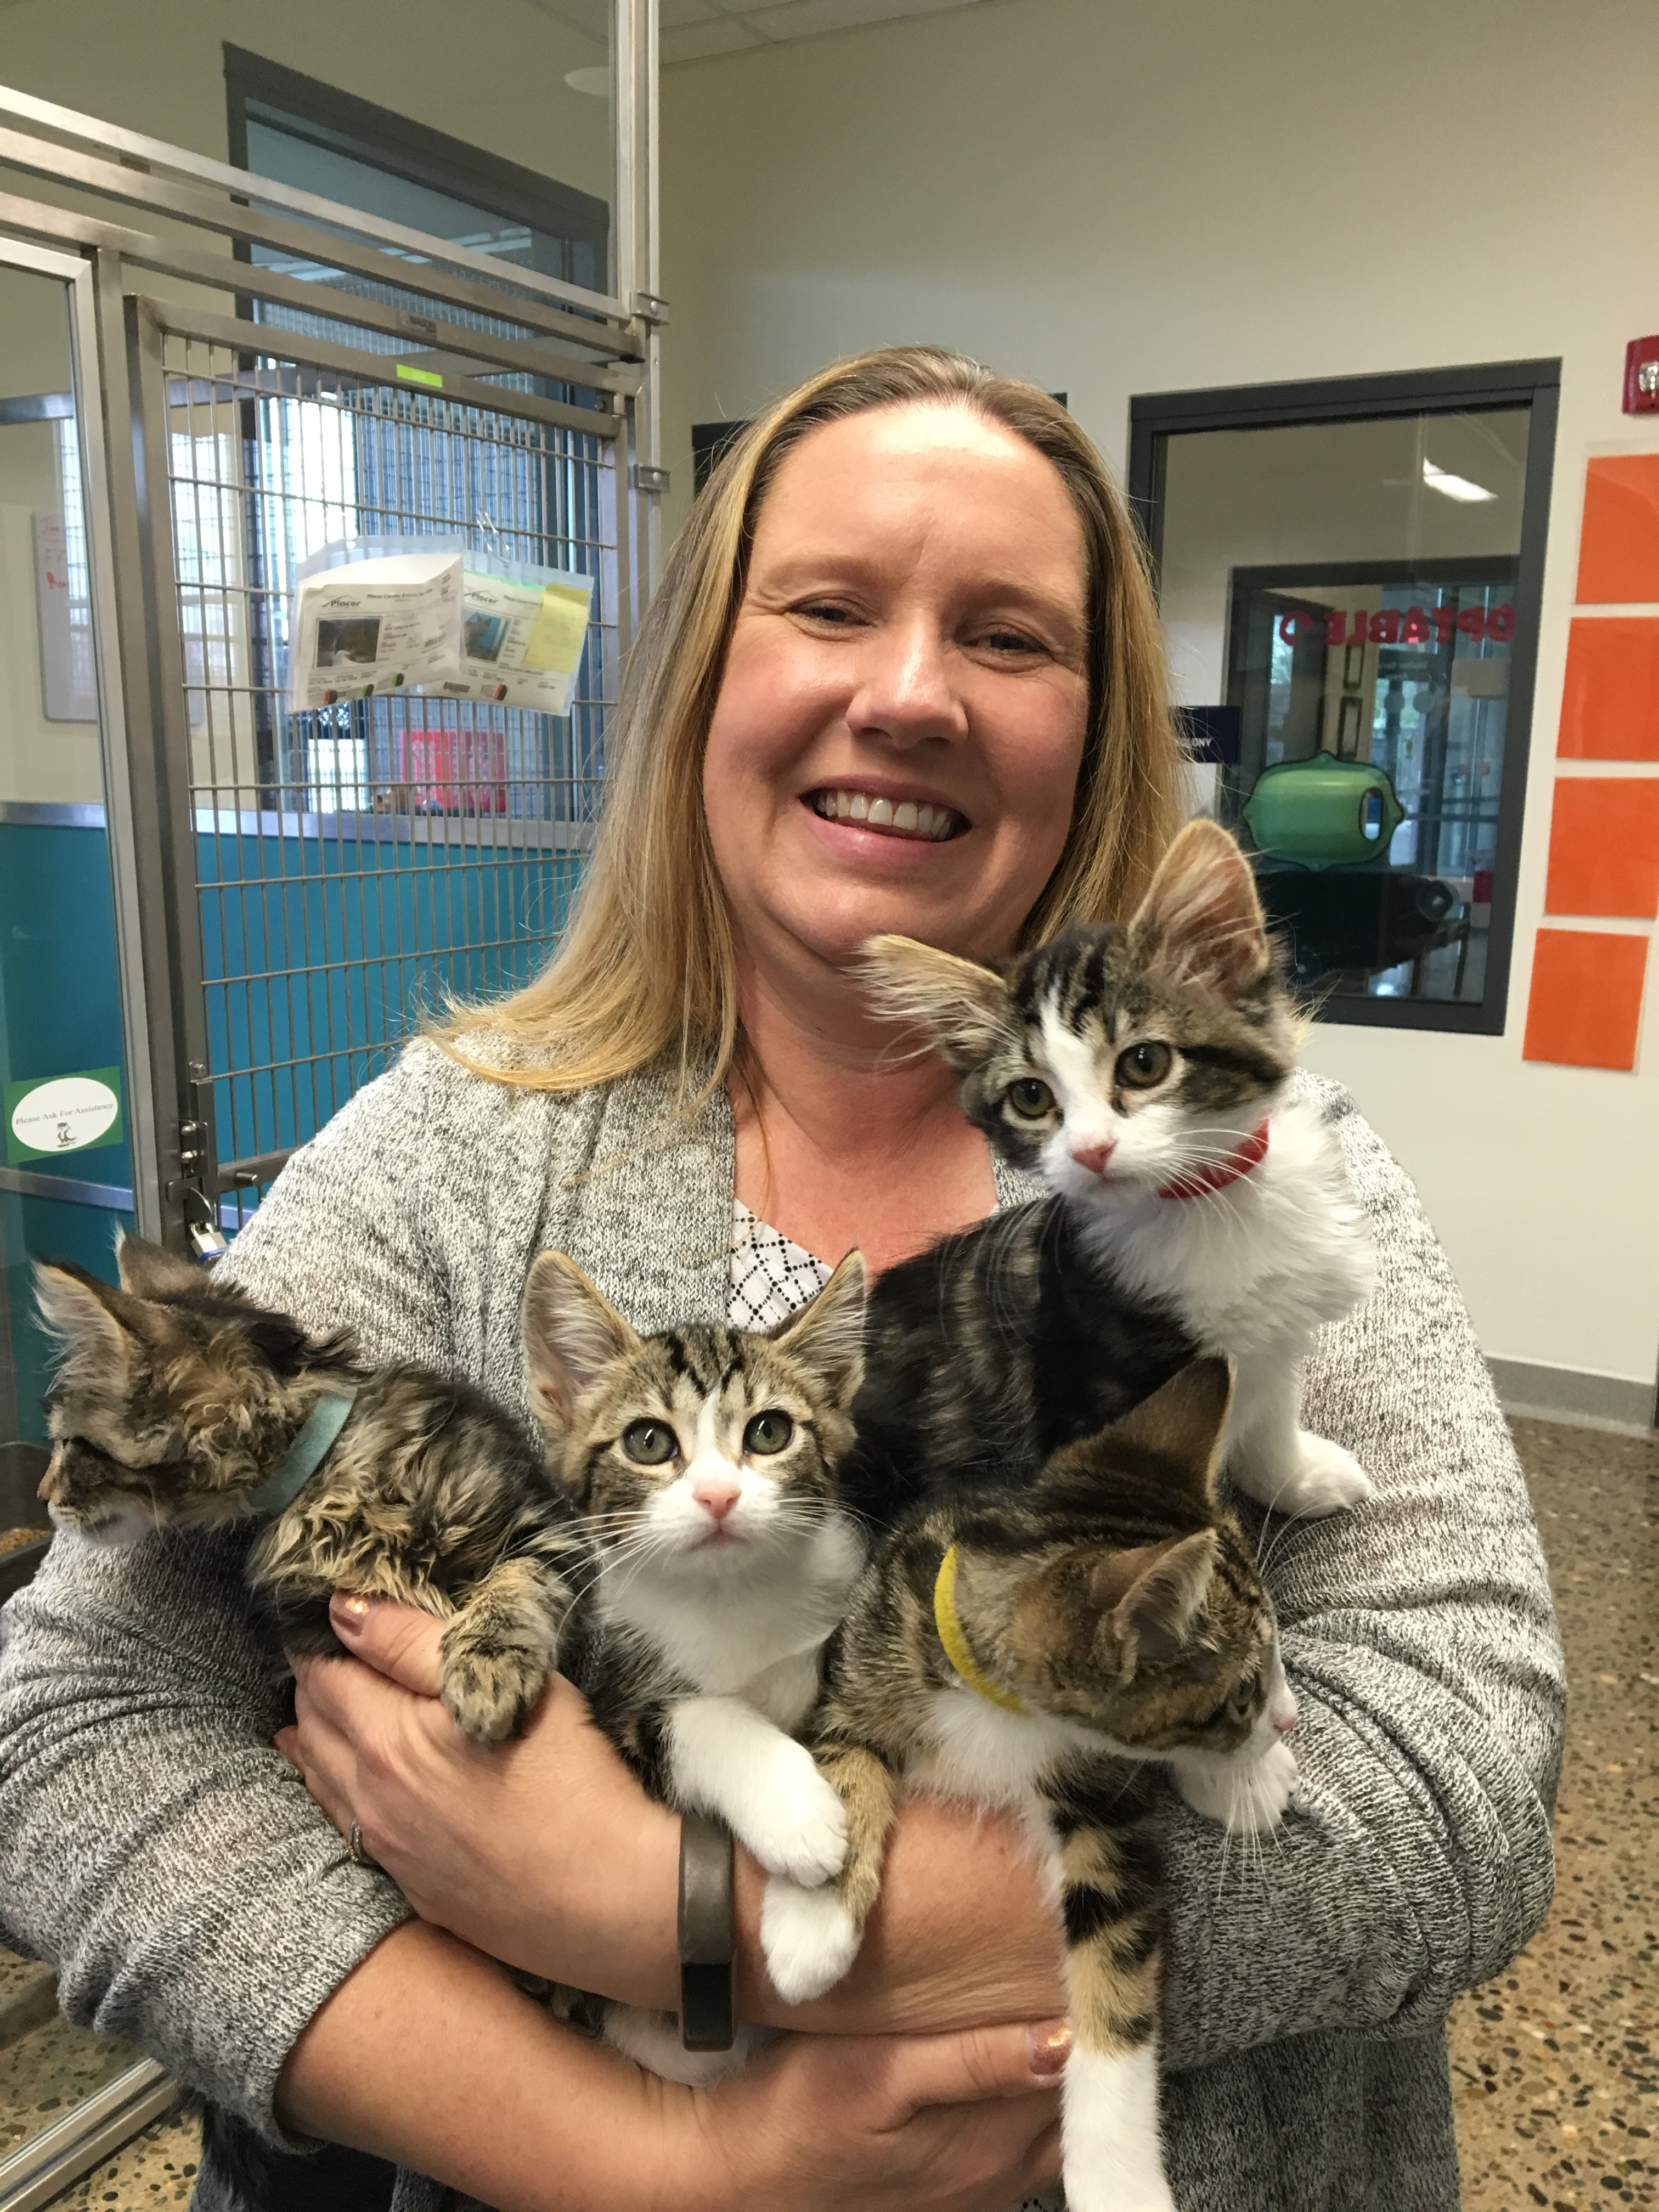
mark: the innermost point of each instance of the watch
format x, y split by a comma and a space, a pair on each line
708, 1934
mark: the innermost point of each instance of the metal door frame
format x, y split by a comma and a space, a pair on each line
79, 276
605, 342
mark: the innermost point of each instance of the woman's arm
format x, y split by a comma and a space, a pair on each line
426, 2055
545, 1852
152, 1844
1419, 1639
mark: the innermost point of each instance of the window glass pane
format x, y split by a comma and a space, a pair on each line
1347, 591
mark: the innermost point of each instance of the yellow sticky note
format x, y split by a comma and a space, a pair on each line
559, 631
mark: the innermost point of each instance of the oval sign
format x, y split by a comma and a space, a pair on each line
64, 1116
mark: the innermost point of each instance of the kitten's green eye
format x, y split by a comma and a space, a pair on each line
648, 1444
1031, 1098
767, 1433
1144, 1064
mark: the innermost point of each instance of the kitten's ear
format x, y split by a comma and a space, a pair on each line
90, 1318
1183, 1421
966, 1010
148, 1271
1201, 913
828, 1336
570, 1331
1155, 1616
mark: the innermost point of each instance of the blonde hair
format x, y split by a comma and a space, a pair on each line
646, 966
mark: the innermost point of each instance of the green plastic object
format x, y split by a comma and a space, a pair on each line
1323, 812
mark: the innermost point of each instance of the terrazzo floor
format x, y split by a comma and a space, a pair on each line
1553, 2064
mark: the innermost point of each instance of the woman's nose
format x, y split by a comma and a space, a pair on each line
906, 691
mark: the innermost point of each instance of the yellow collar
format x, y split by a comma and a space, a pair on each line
955, 1644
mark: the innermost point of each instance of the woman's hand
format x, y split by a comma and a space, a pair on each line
962, 2123
544, 1852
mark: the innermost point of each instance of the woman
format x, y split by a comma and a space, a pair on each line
903, 674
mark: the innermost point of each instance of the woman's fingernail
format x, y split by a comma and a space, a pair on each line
351, 1612
1049, 2046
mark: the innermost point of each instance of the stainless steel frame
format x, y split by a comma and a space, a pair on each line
153, 365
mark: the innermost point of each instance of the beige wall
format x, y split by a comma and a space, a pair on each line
1113, 197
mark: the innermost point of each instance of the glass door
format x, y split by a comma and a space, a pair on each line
66, 1173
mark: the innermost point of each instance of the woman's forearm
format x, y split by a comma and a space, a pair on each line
427, 2038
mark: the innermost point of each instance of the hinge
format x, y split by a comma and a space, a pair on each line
645, 477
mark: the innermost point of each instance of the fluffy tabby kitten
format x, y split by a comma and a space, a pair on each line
177, 1399
1143, 1070
1044, 1651
703, 1462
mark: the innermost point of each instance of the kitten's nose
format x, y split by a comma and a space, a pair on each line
1093, 1157
1285, 1715
717, 1494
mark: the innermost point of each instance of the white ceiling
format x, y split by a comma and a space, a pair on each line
693, 29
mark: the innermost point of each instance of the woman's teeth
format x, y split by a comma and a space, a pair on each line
909, 818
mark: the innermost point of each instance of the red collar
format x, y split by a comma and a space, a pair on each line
1197, 1182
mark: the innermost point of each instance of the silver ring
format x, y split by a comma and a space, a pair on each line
354, 1846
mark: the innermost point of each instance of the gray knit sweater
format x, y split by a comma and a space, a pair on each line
195, 1900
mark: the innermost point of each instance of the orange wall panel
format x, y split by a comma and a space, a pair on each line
1604, 846
1586, 1004
1610, 706
1619, 551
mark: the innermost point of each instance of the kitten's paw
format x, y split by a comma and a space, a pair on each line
800, 1829
1246, 1796
490, 1691
1326, 1479
809, 1937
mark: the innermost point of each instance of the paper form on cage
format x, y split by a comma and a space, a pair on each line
370, 626
522, 639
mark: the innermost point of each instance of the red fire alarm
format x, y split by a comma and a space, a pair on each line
1642, 377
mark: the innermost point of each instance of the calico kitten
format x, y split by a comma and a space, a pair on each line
1143, 1070
177, 1400
1046, 1651
703, 1462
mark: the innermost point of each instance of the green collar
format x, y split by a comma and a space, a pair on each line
316, 1440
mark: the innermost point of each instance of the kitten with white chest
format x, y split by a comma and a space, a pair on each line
702, 1461
1143, 1070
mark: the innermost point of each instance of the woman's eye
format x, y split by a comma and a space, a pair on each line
648, 1444
1031, 1098
1011, 642
767, 1433
1143, 1065
826, 610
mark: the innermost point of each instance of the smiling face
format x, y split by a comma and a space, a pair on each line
900, 718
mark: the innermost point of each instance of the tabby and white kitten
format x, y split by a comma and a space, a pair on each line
177, 1400
1143, 1071
703, 1461
1044, 1651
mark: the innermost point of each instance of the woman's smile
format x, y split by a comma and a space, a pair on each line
872, 807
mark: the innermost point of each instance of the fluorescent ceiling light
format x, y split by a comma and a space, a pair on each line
594, 81
1442, 480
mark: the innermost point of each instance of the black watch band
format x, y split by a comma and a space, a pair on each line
708, 1934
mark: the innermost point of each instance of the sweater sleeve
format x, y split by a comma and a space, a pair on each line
153, 1844
1420, 1641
